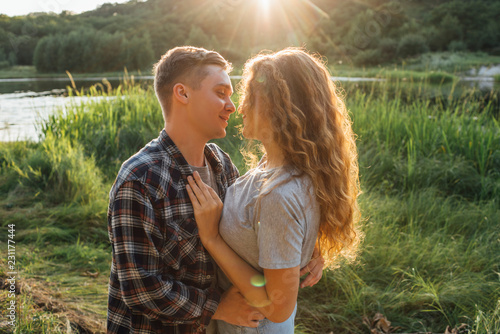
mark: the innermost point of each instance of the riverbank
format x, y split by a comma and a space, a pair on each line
430, 172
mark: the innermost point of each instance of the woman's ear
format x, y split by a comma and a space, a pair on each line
180, 93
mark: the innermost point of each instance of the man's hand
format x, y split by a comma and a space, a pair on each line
314, 268
234, 309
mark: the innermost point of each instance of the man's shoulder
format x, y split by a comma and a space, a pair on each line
150, 158
150, 166
225, 159
218, 151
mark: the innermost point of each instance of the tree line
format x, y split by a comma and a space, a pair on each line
136, 33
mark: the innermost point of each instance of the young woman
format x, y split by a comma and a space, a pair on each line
303, 191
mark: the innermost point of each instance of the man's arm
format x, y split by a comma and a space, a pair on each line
138, 240
314, 269
234, 309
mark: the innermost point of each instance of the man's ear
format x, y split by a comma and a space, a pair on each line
180, 93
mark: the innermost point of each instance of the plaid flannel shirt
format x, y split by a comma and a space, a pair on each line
161, 274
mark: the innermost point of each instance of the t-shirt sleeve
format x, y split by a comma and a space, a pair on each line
280, 231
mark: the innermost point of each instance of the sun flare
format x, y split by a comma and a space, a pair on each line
265, 6
265, 3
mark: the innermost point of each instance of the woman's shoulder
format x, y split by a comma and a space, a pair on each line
289, 179
289, 185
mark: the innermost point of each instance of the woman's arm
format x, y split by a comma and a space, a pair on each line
277, 297
274, 295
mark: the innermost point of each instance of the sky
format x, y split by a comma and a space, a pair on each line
23, 7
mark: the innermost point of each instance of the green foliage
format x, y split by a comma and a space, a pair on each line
339, 28
474, 20
197, 37
429, 168
456, 46
57, 166
411, 45
450, 30
86, 50
388, 49
451, 62
109, 127
81, 256
368, 57
30, 317
487, 322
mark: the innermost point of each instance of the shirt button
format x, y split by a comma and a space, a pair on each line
179, 238
209, 276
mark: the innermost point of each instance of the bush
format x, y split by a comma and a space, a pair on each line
440, 77
412, 45
57, 168
368, 57
435, 39
388, 48
456, 46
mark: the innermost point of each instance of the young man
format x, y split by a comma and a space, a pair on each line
162, 279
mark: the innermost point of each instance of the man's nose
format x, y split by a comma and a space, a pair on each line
230, 106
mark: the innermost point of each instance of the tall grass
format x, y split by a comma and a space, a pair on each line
454, 145
430, 171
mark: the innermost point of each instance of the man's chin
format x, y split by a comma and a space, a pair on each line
220, 135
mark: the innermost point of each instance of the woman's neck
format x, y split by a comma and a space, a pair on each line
274, 156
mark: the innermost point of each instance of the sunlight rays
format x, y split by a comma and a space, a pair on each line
298, 17
262, 22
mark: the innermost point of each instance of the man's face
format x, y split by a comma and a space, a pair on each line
211, 105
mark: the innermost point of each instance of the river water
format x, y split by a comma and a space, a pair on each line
25, 102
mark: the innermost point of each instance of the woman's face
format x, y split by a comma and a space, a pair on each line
255, 123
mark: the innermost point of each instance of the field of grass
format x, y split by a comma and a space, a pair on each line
430, 172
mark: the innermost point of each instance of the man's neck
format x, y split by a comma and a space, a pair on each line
191, 146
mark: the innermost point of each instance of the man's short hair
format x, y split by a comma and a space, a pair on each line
183, 64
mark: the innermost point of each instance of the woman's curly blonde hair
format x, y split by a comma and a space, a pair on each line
310, 124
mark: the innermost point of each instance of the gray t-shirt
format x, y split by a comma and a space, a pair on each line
277, 231
206, 174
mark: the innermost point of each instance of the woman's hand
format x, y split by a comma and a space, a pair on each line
207, 207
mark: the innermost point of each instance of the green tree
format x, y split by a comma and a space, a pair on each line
138, 52
70, 52
197, 37
412, 45
39, 57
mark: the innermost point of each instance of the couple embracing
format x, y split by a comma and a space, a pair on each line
198, 248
